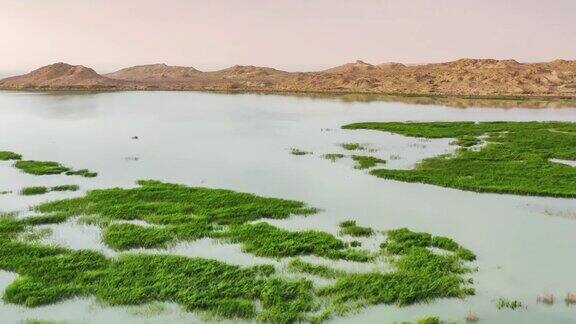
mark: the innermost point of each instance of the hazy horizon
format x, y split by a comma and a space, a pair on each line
289, 35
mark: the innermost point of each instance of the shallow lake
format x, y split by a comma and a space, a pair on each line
525, 245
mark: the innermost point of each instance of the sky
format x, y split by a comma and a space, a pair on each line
294, 35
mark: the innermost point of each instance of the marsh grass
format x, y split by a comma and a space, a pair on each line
7, 155
353, 146
350, 228
333, 156
502, 302
366, 162
295, 151
49, 274
297, 265
36, 190
41, 167
40, 190
83, 173
65, 188
515, 159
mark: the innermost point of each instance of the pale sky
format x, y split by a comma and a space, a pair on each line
286, 34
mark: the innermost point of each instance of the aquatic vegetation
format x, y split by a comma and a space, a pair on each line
350, 228
49, 274
7, 155
36, 190
502, 302
297, 265
41, 167
333, 156
82, 172
295, 151
265, 240
402, 240
515, 159
366, 162
429, 320
353, 146
40, 190
467, 141
65, 188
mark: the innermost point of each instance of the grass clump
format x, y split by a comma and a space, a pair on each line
366, 162
502, 302
40, 190
400, 241
333, 156
295, 151
65, 188
41, 167
353, 146
7, 155
350, 228
35, 190
82, 172
297, 265
429, 320
125, 236
467, 141
265, 240
515, 160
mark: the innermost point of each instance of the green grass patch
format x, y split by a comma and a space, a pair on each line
515, 160
402, 240
333, 156
83, 173
350, 228
297, 265
265, 240
40, 190
502, 302
353, 146
7, 155
41, 167
366, 162
35, 190
65, 188
295, 151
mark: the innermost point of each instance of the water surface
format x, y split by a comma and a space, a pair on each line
525, 245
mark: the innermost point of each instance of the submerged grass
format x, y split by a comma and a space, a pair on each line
350, 228
48, 274
366, 162
295, 151
353, 146
40, 190
333, 156
7, 155
41, 167
36, 190
515, 160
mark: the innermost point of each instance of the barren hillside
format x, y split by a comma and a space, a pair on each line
465, 77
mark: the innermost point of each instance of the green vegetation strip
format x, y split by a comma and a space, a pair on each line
366, 162
50, 168
6, 156
49, 274
40, 190
350, 228
515, 159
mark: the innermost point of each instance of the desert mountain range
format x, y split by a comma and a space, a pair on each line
465, 77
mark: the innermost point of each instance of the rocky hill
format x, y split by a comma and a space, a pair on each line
465, 77
62, 76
